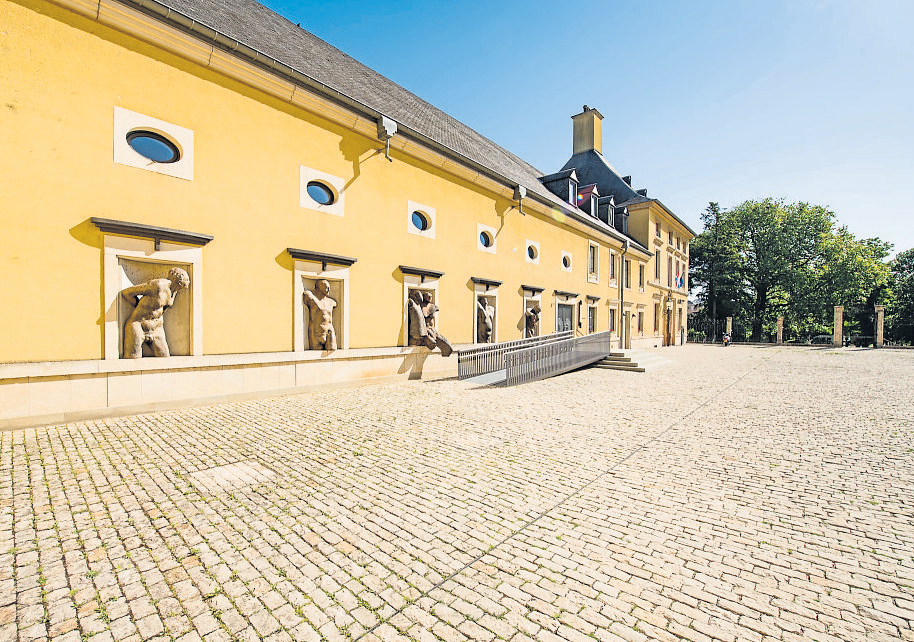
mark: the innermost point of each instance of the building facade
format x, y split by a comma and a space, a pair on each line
269, 167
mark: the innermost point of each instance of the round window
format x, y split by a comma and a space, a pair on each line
531, 252
485, 239
566, 261
420, 221
320, 193
153, 146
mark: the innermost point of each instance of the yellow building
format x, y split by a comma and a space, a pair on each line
141, 136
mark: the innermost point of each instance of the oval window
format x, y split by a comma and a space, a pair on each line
420, 221
320, 193
153, 146
531, 252
566, 262
485, 239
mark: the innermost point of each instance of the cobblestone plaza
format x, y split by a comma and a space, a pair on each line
731, 494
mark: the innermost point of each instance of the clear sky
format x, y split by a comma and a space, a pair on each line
708, 100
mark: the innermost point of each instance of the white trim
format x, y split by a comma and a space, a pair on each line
570, 262
412, 281
536, 246
491, 231
528, 301
336, 184
593, 277
126, 121
423, 209
143, 250
315, 270
479, 289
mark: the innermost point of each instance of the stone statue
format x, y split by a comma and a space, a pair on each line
321, 334
421, 318
146, 323
485, 315
532, 321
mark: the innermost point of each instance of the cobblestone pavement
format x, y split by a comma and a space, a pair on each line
736, 494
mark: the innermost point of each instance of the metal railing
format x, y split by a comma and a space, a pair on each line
474, 362
548, 360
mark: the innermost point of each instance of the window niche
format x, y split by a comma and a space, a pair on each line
320, 300
424, 282
485, 326
178, 319
135, 254
531, 322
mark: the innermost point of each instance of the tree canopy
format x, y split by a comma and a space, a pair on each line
768, 258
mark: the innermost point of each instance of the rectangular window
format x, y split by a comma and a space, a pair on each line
572, 193
669, 272
656, 317
677, 242
640, 321
591, 319
592, 262
627, 276
671, 237
657, 229
612, 319
641, 275
612, 266
657, 265
677, 274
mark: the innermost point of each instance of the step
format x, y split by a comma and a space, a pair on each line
628, 367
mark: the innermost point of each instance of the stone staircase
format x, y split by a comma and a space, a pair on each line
632, 361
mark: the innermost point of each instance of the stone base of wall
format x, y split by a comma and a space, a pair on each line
57, 392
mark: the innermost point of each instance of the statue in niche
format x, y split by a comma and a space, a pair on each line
422, 330
485, 316
146, 324
532, 321
321, 334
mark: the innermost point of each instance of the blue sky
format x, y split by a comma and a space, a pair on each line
809, 100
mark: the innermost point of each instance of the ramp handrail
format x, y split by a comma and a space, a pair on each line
548, 360
473, 362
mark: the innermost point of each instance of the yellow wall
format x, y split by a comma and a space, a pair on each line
62, 77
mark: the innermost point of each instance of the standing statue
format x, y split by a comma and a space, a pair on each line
532, 321
421, 318
485, 315
146, 323
321, 334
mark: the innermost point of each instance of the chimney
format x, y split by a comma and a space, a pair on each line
588, 131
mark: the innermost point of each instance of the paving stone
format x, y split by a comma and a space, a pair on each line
740, 494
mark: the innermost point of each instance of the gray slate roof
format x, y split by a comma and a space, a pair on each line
265, 31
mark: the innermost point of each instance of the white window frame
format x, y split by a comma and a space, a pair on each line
143, 250
480, 228
480, 289
336, 184
411, 207
536, 245
422, 283
315, 270
593, 276
126, 121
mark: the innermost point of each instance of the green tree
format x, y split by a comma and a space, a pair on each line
714, 264
781, 247
903, 286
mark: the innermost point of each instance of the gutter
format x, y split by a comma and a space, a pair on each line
189, 25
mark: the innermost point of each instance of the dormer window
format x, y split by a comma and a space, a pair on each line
573, 193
